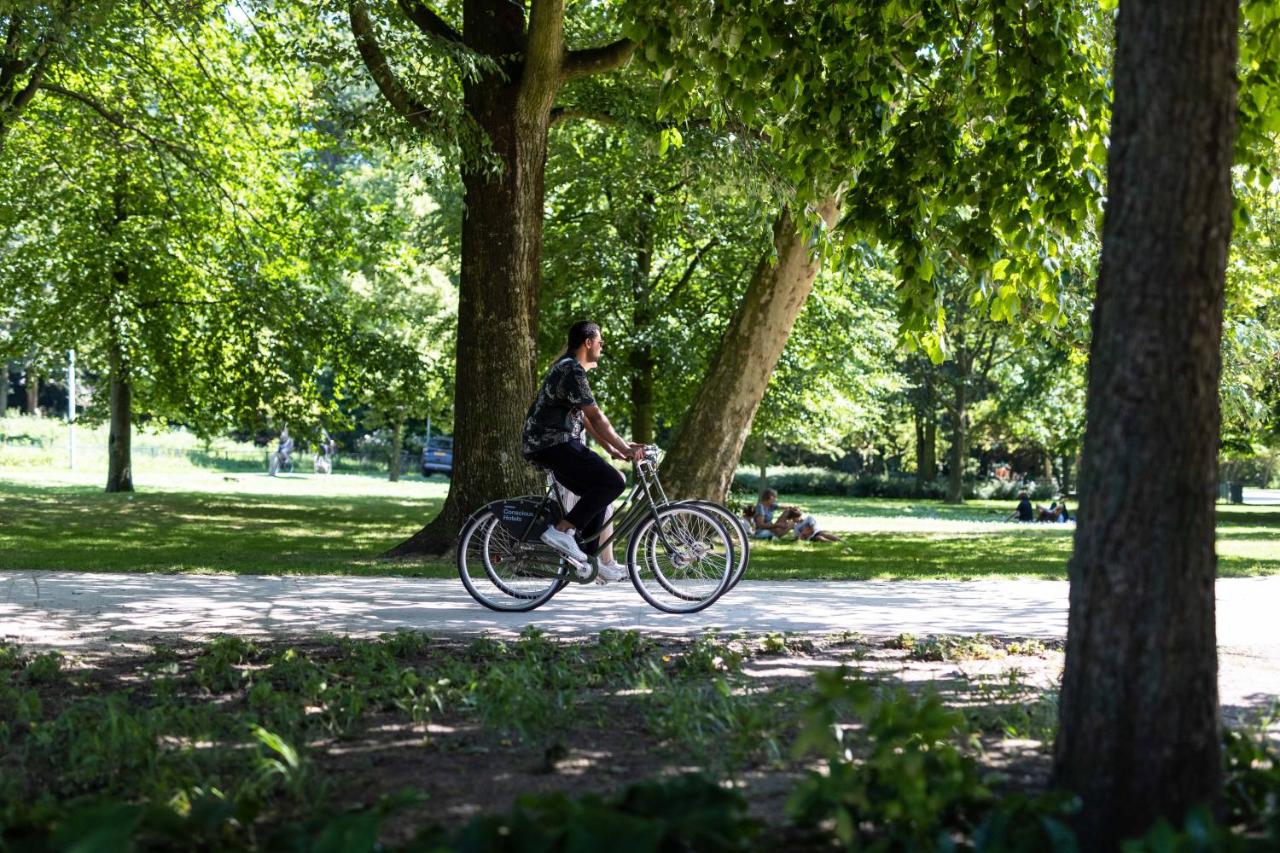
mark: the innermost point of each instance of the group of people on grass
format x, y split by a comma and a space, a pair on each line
792, 520
1027, 511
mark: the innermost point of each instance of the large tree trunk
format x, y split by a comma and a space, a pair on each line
707, 447
119, 438
498, 290
1139, 733
4, 388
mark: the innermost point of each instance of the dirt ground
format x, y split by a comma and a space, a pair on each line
465, 768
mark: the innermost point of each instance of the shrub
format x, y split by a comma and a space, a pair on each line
1007, 490
896, 781
808, 481
897, 487
824, 481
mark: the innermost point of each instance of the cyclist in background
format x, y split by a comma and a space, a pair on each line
552, 438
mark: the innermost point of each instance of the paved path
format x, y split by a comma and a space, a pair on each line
88, 611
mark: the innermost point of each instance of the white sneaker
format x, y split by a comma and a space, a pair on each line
611, 573
564, 542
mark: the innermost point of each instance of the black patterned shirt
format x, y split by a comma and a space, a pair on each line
556, 414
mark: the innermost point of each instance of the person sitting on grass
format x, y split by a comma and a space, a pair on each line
1024, 511
762, 517
806, 526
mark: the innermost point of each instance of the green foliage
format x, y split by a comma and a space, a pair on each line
689, 813
164, 243
1252, 775
1004, 705
895, 781
898, 778
1200, 833
976, 129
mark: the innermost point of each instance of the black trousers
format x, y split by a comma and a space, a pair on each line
596, 483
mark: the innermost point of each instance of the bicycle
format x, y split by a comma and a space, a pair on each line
680, 557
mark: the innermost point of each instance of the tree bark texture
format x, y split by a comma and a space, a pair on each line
4, 388
120, 435
1139, 729
706, 449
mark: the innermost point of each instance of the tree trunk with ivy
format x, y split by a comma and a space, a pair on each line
501, 231
1139, 729
706, 449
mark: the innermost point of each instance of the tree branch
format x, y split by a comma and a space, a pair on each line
688, 274
429, 21
186, 154
595, 60
374, 59
28, 92
543, 55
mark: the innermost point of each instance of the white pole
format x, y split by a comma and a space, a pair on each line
71, 409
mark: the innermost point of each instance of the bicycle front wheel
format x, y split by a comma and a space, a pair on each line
737, 527
681, 559
497, 572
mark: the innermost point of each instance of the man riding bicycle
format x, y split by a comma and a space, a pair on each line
552, 439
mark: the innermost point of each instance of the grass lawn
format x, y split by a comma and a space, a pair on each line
248, 523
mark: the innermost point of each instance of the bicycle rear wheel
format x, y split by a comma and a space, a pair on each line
497, 572
682, 559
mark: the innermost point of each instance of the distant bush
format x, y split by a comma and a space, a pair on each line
807, 481
1008, 490
898, 487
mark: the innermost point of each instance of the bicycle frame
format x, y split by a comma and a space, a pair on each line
630, 515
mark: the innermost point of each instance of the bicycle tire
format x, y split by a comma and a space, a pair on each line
477, 545
738, 526
651, 553
700, 561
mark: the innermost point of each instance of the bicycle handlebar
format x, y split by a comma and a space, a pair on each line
651, 453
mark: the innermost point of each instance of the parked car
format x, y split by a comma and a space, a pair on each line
437, 456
